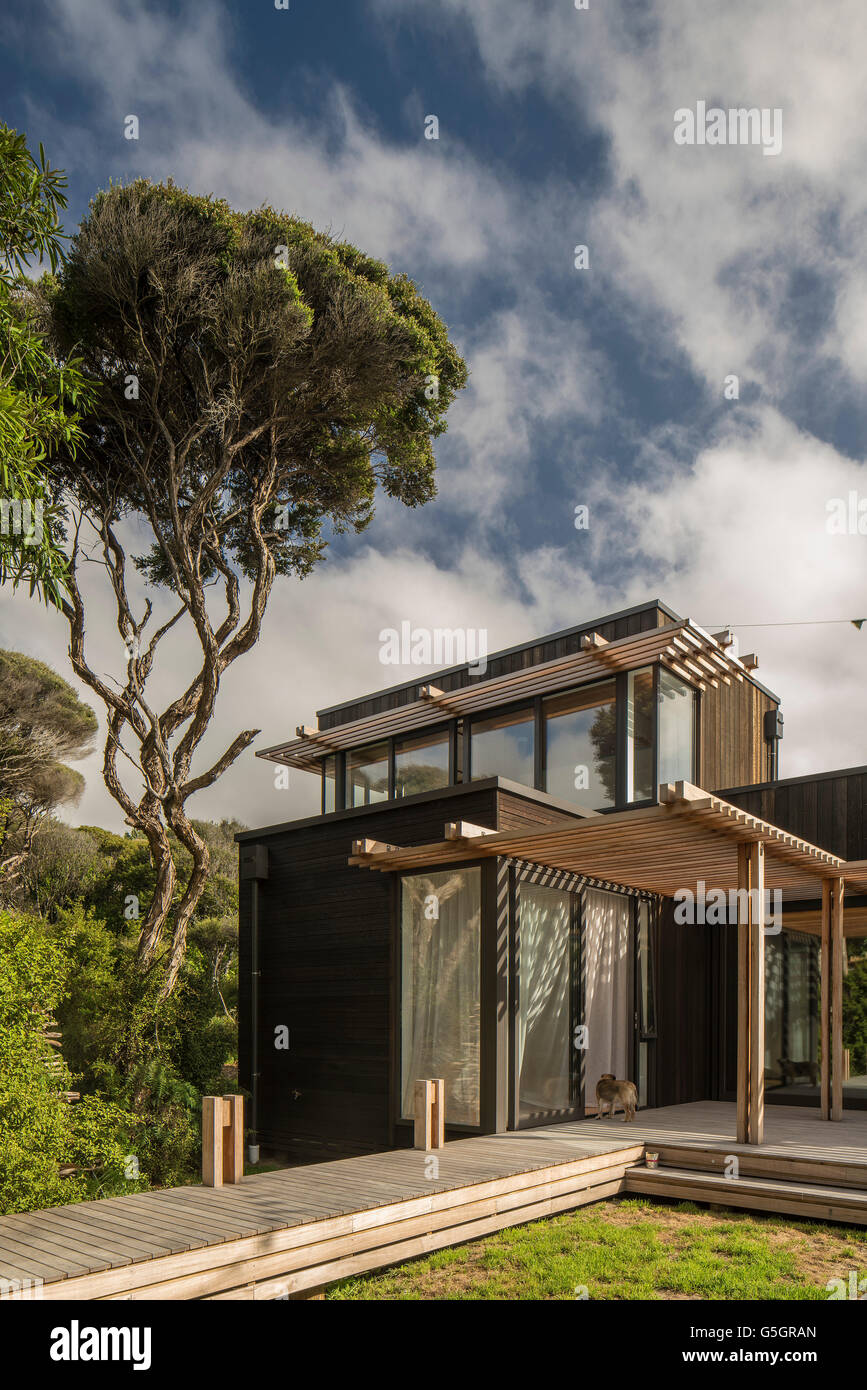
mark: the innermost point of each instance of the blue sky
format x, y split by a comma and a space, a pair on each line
601, 386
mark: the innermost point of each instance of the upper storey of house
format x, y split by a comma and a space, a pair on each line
598, 716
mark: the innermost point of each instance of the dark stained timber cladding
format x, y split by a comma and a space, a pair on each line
518, 813
643, 620
683, 1047
325, 974
827, 809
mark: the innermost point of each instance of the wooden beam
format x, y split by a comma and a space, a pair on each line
367, 846
316, 736
592, 642
825, 1009
838, 888
756, 1117
465, 830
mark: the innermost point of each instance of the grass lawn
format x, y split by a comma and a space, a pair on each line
632, 1248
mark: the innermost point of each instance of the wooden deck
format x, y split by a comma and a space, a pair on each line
284, 1233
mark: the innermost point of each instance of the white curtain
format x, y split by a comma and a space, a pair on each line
606, 954
544, 1005
440, 988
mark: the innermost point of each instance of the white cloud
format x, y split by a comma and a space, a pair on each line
695, 246
709, 236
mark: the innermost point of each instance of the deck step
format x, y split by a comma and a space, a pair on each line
788, 1198
753, 1163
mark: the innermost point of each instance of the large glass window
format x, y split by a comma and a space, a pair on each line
367, 775
504, 746
580, 743
676, 729
441, 988
545, 1002
421, 763
792, 1013
639, 735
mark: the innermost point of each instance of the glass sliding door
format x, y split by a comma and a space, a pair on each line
441, 988
545, 1057
607, 989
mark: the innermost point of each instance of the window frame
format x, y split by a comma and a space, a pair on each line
482, 716
460, 734
619, 755
447, 728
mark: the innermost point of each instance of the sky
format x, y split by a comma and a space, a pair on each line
607, 384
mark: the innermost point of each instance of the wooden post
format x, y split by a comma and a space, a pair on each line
222, 1140
233, 1138
825, 976
756, 1120
743, 1096
212, 1141
751, 993
429, 1109
838, 889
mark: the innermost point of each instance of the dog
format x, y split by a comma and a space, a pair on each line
612, 1093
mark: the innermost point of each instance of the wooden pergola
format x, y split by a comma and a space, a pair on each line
683, 647
691, 837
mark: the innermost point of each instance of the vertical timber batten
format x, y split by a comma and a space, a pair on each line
838, 947
756, 1121
825, 973
751, 993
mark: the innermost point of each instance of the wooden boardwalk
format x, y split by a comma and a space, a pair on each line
284, 1233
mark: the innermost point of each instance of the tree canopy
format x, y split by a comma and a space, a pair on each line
38, 394
255, 382
42, 724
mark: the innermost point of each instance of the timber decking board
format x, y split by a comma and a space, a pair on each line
121, 1226
270, 1202
172, 1239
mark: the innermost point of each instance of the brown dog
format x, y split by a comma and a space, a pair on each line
612, 1093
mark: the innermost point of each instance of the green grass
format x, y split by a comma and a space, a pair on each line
631, 1248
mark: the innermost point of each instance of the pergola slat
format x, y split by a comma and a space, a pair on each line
596, 663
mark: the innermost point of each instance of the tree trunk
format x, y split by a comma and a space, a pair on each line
201, 856
164, 891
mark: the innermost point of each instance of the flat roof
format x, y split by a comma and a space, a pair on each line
564, 632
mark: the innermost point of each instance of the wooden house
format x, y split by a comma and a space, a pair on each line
581, 860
